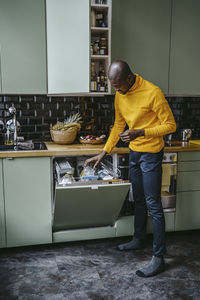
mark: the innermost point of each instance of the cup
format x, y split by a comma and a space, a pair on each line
9, 138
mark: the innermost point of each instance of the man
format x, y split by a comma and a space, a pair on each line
142, 106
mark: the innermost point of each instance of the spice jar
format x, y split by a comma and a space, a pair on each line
103, 42
102, 51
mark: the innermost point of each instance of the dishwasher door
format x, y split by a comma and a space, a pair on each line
88, 204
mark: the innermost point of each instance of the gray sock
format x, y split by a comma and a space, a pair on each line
135, 243
155, 267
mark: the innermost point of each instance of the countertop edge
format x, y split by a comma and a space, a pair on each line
80, 149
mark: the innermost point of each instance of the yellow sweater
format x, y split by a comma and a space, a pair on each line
143, 107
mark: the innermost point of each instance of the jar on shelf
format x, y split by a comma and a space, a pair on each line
96, 47
102, 50
100, 19
103, 42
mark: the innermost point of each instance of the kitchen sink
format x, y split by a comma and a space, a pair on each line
37, 146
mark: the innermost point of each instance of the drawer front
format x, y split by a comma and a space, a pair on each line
188, 156
188, 166
187, 211
188, 181
88, 206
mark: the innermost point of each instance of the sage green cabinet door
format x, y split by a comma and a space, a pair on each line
2, 210
187, 211
189, 156
188, 181
141, 36
0, 73
68, 46
27, 185
23, 46
185, 48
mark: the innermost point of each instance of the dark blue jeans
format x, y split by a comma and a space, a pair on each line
146, 179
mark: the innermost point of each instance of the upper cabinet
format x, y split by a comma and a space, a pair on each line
141, 37
185, 48
66, 48
23, 47
0, 72
78, 46
68, 54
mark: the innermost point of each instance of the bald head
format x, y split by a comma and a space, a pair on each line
119, 71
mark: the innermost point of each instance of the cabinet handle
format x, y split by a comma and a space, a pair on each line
9, 158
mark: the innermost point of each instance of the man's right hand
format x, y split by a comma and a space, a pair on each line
95, 159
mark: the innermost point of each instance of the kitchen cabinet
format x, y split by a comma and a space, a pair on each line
23, 47
27, 196
0, 72
185, 48
68, 46
71, 39
188, 191
2, 210
141, 36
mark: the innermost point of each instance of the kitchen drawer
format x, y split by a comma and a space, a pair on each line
187, 210
188, 181
88, 205
189, 166
188, 156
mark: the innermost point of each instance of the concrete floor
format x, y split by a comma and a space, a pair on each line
96, 270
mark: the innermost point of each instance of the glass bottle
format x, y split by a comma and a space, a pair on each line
93, 85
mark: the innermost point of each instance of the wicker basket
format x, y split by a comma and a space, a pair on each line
64, 137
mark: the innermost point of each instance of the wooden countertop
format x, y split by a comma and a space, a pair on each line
80, 149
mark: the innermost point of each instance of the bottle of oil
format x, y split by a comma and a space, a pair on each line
93, 85
102, 78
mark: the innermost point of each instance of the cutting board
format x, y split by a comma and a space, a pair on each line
195, 142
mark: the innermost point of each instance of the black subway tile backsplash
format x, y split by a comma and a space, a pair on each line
36, 113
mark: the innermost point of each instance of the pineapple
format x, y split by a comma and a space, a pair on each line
73, 121
75, 118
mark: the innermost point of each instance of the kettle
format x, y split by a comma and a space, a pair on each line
186, 135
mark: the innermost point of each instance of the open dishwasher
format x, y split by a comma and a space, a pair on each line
85, 198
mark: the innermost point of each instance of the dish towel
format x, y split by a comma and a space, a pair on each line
28, 145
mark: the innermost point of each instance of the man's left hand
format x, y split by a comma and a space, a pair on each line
131, 134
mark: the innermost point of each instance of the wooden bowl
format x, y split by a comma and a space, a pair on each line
92, 142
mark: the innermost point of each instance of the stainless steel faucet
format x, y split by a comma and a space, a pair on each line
12, 111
